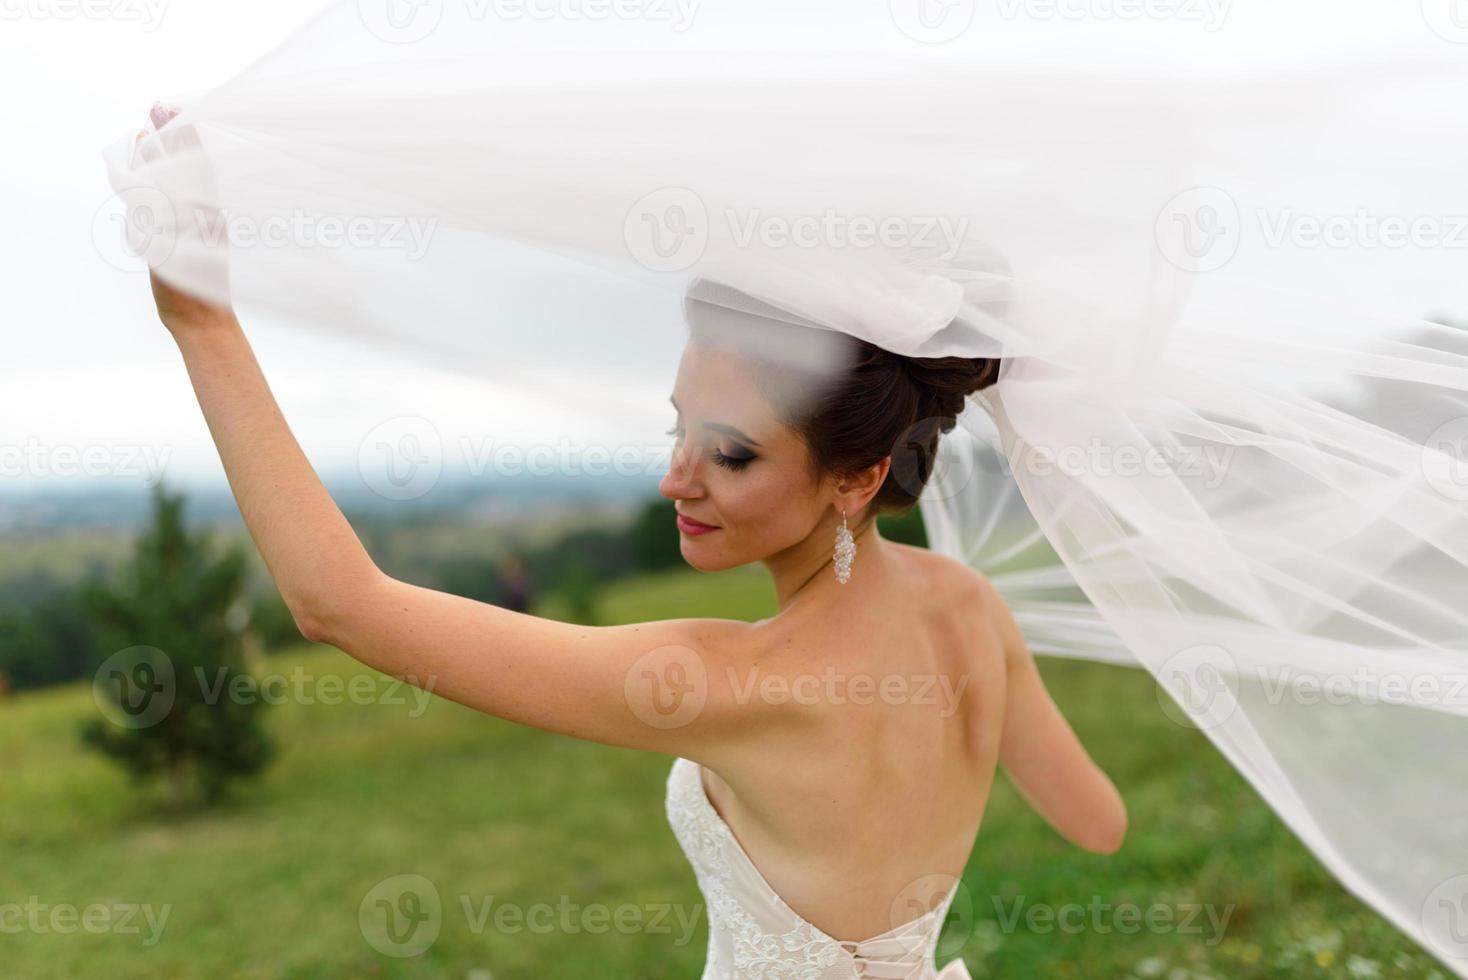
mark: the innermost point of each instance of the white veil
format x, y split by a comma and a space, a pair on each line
1227, 444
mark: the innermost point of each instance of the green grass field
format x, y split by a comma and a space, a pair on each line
574, 836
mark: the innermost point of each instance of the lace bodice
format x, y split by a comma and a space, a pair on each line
754, 935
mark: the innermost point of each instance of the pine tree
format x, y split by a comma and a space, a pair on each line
176, 699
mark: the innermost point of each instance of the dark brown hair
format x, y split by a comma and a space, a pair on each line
851, 402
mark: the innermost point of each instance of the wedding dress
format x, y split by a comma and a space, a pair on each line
755, 935
1229, 443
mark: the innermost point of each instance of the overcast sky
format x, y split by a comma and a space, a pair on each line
87, 368
86, 364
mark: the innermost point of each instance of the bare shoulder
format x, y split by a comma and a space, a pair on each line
966, 589
987, 604
961, 578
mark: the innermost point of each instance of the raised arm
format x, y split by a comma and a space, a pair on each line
664, 686
1045, 760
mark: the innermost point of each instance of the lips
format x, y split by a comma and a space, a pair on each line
696, 523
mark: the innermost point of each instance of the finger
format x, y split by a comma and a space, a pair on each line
160, 114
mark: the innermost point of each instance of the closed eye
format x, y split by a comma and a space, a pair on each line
735, 462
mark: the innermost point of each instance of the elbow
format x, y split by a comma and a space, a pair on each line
322, 614
310, 620
322, 609
311, 631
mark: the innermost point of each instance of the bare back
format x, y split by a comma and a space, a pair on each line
882, 779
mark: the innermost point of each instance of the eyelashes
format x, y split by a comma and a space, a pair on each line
735, 463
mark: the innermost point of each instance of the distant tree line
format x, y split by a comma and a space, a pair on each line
50, 632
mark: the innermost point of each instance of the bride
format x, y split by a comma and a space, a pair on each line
832, 762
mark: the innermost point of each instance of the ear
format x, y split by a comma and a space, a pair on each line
855, 492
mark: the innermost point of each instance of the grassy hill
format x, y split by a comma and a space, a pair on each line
572, 836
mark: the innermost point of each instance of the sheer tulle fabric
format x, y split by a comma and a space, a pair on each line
1219, 449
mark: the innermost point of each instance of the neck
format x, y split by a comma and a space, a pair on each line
808, 570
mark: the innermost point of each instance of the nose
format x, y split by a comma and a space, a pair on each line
679, 481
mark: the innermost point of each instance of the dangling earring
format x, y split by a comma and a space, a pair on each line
845, 551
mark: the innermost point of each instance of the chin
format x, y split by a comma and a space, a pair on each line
702, 563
